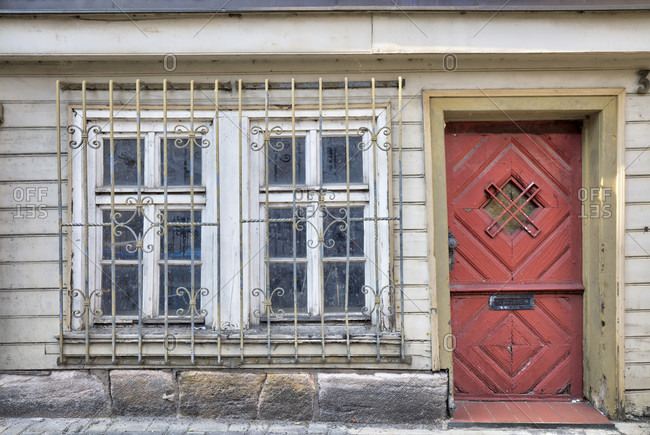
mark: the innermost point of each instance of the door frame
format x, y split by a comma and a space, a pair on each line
603, 167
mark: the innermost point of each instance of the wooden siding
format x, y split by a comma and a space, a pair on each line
637, 255
28, 247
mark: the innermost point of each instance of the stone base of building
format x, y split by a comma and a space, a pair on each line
298, 396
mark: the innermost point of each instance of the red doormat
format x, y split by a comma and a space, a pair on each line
542, 415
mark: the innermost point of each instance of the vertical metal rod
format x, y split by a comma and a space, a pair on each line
60, 211
268, 290
139, 211
193, 294
84, 146
347, 217
165, 224
112, 170
322, 247
241, 230
218, 187
401, 226
375, 220
293, 216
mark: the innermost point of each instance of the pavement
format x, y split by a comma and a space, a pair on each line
196, 426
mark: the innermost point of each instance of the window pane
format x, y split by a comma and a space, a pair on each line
281, 234
335, 286
179, 240
125, 242
126, 290
126, 161
282, 277
280, 162
334, 158
179, 276
335, 238
178, 164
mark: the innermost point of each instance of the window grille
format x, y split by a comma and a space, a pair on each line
310, 185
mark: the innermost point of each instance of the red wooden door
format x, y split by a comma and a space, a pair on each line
514, 211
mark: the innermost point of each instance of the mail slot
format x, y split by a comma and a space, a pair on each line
512, 302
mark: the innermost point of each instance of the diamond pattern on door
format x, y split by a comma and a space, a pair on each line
513, 208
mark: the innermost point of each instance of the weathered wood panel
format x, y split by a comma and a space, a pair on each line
29, 220
28, 167
637, 244
637, 270
638, 376
415, 272
636, 323
637, 216
26, 194
28, 140
29, 303
637, 162
415, 244
412, 163
414, 217
413, 189
637, 349
417, 326
30, 114
637, 297
30, 275
636, 108
28, 329
637, 402
637, 190
26, 248
637, 135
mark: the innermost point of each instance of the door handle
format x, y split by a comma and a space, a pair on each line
453, 244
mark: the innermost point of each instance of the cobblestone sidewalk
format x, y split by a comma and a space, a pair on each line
24, 426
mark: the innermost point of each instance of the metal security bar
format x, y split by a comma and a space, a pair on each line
145, 233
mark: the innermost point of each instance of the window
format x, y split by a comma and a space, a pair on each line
130, 243
239, 218
334, 261
337, 262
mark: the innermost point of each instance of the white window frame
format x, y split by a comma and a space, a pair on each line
361, 194
151, 135
151, 127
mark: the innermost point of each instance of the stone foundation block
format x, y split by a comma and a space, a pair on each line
382, 397
78, 394
143, 392
288, 397
219, 395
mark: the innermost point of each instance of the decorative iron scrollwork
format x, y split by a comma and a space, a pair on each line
85, 136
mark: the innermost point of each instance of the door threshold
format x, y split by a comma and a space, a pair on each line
533, 414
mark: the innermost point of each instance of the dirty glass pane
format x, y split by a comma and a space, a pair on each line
335, 286
178, 164
281, 234
336, 233
179, 240
126, 290
126, 161
282, 277
334, 160
125, 239
179, 276
280, 162
511, 192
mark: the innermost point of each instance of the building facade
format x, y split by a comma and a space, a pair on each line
323, 213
